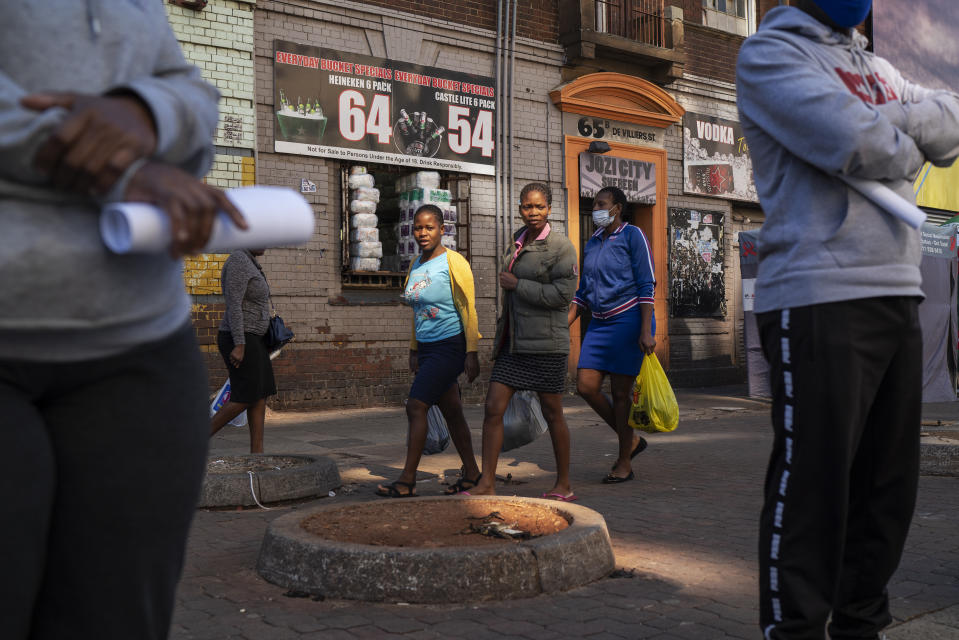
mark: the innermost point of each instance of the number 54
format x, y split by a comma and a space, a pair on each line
461, 139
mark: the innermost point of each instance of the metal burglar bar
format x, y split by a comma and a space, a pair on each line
639, 20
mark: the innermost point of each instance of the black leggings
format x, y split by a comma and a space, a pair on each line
103, 461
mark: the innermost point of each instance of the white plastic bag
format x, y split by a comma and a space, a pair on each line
523, 421
221, 398
357, 170
426, 180
369, 194
358, 180
365, 234
366, 249
449, 242
360, 220
365, 264
362, 206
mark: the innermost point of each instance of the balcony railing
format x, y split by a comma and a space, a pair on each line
637, 37
638, 20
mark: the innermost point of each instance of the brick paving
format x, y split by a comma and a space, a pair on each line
684, 535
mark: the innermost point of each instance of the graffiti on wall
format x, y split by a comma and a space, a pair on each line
697, 281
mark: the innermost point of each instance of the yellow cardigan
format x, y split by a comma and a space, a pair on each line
464, 299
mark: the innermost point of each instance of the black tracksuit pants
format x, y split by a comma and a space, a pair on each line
846, 381
103, 464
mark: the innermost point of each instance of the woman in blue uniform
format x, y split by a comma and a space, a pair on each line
616, 288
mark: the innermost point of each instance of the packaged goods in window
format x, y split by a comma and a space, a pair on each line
419, 180
449, 242
365, 264
449, 230
366, 249
439, 197
357, 170
365, 234
367, 194
449, 214
362, 206
361, 180
360, 220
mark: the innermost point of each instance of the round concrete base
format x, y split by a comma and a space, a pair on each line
274, 477
293, 558
939, 456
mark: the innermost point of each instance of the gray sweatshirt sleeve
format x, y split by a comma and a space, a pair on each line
928, 116
787, 94
22, 131
184, 106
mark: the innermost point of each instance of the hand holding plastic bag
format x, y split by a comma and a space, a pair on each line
523, 421
654, 406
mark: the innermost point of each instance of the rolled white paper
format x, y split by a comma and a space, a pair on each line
276, 216
887, 200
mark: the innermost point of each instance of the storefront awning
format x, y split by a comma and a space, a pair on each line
938, 188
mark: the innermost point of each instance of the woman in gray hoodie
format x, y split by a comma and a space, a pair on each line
102, 386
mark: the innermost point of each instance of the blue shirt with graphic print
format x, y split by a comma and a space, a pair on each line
429, 292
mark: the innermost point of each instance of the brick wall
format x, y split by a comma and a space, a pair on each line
711, 53
219, 41
536, 19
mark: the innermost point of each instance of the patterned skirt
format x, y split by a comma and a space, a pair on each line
545, 373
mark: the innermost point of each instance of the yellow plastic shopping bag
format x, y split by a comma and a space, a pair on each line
654, 403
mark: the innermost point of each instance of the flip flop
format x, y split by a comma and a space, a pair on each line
390, 490
460, 486
560, 497
639, 448
611, 479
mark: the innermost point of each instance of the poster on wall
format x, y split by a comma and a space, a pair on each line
697, 281
342, 105
757, 369
637, 179
716, 159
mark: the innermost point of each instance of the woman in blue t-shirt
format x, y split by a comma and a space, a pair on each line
616, 288
439, 287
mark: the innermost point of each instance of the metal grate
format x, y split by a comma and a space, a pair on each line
639, 20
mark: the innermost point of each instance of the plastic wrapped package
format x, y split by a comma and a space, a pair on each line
360, 220
364, 234
365, 264
366, 249
361, 180
449, 214
362, 206
357, 170
449, 229
367, 194
426, 180
449, 242
405, 230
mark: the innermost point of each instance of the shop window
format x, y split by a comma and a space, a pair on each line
378, 202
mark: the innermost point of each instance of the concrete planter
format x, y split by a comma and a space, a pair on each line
293, 558
275, 478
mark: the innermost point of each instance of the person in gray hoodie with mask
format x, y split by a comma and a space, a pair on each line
836, 301
103, 389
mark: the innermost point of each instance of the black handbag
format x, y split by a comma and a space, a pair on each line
278, 334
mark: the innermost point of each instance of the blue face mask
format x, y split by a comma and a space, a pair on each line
601, 218
845, 13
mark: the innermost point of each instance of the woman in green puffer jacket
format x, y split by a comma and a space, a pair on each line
538, 278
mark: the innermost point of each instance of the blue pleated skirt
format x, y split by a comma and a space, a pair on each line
612, 344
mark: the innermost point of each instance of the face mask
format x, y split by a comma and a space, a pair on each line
601, 218
845, 13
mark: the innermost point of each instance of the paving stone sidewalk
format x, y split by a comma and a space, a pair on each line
684, 535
